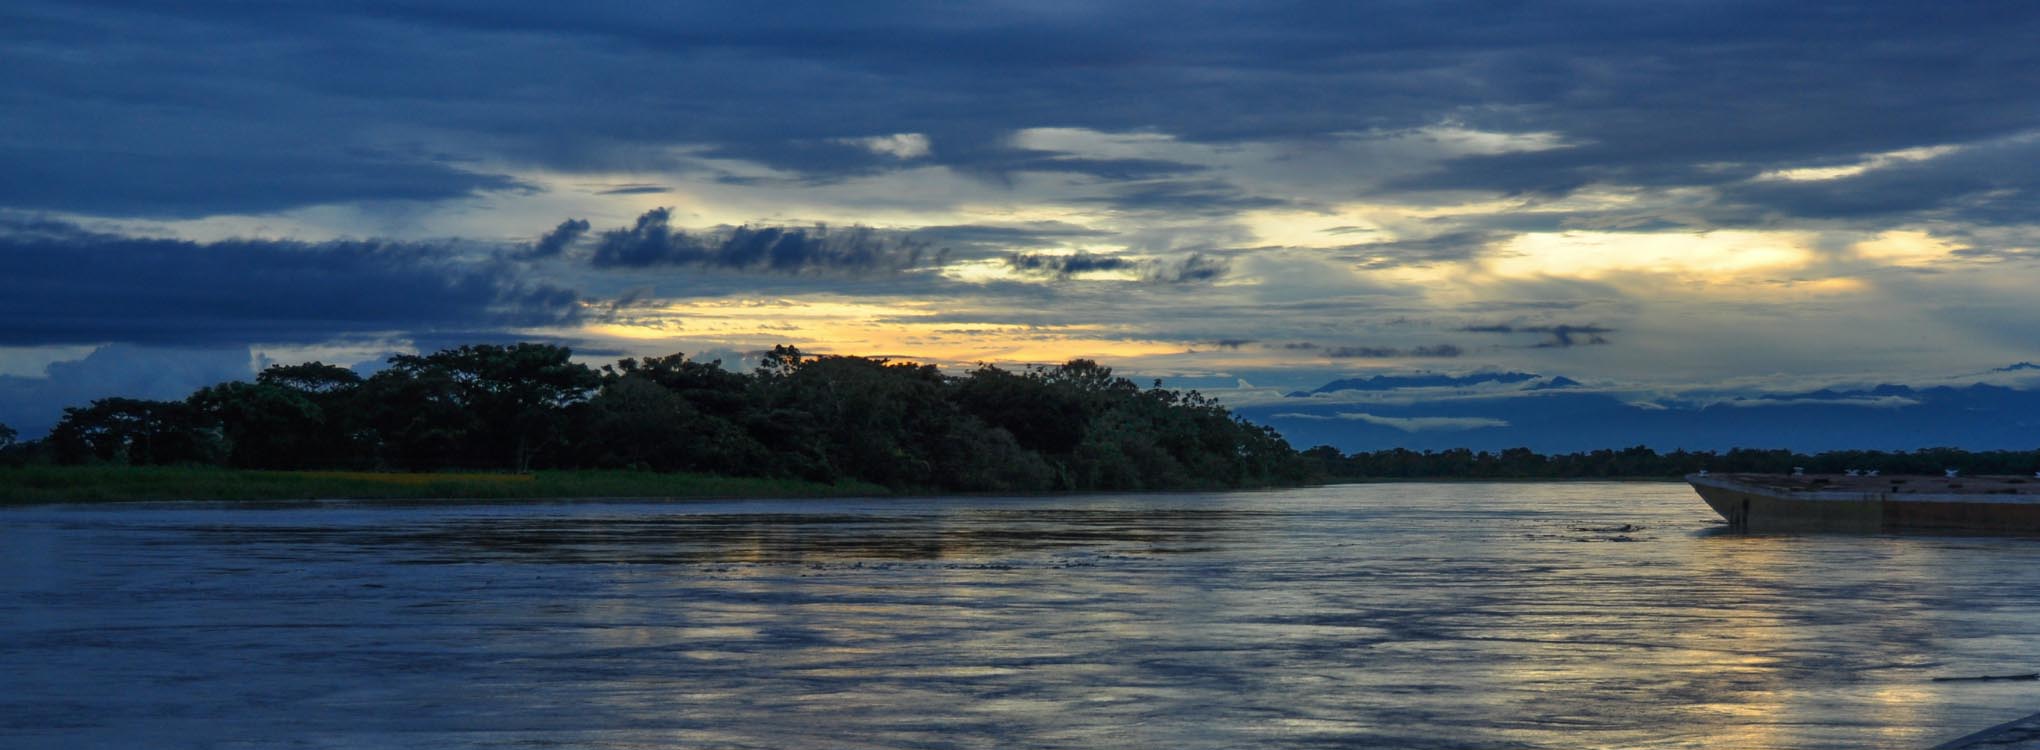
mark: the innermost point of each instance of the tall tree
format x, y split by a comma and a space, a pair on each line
265, 426
135, 431
514, 398
311, 377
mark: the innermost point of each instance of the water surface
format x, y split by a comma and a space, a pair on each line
1407, 616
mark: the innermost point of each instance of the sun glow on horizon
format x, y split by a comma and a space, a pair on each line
1722, 255
1905, 248
916, 330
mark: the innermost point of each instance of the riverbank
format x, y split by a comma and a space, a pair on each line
1502, 480
48, 484
72, 484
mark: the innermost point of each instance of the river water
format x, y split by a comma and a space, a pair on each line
1561, 615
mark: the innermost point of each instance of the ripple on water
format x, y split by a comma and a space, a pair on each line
1420, 615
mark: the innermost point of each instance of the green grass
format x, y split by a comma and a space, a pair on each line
64, 484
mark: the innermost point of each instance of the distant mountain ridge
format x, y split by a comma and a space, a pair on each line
1559, 414
1420, 380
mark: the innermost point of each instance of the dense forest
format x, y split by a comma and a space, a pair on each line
528, 406
1643, 462
906, 426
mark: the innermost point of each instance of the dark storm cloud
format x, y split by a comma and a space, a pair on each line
1000, 159
1987, 183
1742, 89
1374, 352
1198, 196
1565, 337
1192, 268
60, 284
816, 160
994, 240
1064, 266
119, 181
1196, 267
653, 242
557, 240
1557, 173
635, 190
229, 106
1558, 336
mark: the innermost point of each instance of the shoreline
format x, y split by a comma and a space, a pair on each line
92, 485
1505, 480
42, 485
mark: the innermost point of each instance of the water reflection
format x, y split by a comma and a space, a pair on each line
1557, 616
771, 538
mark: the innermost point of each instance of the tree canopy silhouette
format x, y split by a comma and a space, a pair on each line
905, 425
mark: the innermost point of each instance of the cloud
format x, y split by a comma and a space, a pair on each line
1457, 246
1189, 269
1185, 196
557, 240
1302, 174
652, 242
60, 284
119, 180
1561, 336
993, 240
897, 145
1868, 402
1192, 268
1406, 424
1565, 337
1360, 352
1008, 161
635, 190
34, 404
1065, 266
1641, 97
1969, 183
1375, 352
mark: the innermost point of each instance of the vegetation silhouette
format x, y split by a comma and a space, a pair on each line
829, 419
902, 425
1641, 462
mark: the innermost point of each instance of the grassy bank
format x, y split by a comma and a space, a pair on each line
56, 484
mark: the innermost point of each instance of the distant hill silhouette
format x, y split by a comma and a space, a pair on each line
1561, 415
1420, 380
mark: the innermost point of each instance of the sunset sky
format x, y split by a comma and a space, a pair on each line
1646, 197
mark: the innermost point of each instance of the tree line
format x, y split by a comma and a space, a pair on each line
1644, 462
908, 426
520, 407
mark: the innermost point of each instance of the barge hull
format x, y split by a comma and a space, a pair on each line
1759, 504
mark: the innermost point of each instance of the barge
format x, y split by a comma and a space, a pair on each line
1871, 503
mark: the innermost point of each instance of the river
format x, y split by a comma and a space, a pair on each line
1462, 615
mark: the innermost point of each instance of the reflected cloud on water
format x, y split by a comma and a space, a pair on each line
766, 538
1406, 616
